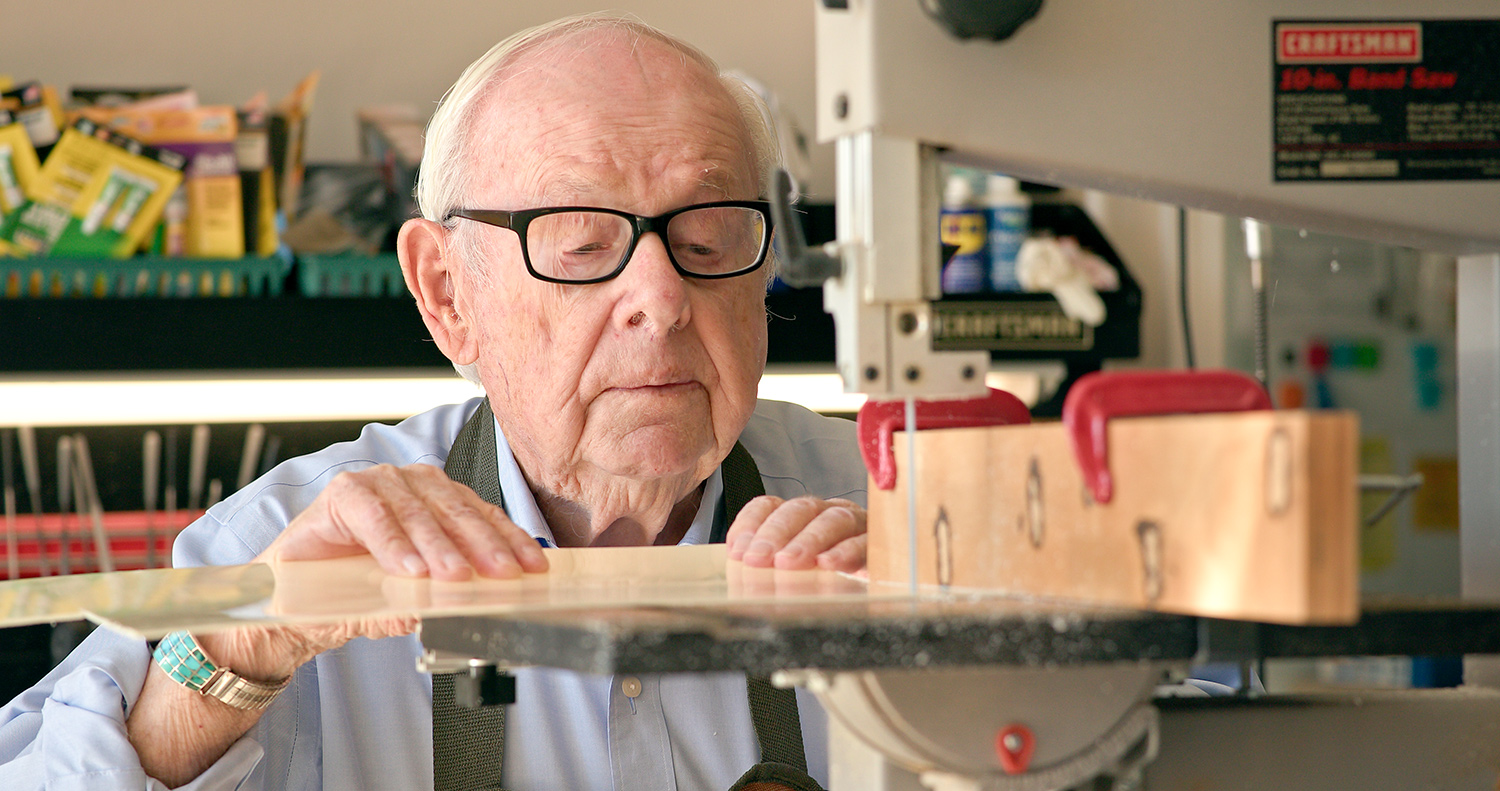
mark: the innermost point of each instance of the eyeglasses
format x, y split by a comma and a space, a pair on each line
577, 244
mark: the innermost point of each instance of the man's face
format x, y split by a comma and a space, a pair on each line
649, 376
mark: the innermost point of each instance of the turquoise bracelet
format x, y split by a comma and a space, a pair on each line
185, 662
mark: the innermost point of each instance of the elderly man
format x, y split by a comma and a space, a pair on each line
592, 251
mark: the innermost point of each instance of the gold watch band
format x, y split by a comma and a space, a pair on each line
185, 662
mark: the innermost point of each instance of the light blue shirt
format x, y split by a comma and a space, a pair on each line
359, 717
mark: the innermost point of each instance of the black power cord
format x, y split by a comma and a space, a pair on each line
1182, 287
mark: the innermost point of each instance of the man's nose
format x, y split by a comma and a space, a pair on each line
656, 296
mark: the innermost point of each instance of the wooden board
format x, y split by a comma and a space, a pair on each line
154, 602
1247, 515
188, 594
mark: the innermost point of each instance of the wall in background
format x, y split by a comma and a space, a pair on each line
1145, 234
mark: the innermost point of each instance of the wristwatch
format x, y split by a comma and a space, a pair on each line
186, 663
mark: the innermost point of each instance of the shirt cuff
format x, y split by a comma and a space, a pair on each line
83, 742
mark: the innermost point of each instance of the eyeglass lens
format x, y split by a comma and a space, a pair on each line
581, 245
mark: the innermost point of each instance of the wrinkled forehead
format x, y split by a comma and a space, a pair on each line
608, 112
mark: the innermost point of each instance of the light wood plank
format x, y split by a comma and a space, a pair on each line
151, 603
1250, 515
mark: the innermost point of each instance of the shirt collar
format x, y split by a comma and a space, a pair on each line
521, 506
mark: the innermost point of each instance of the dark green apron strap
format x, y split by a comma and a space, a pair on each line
742, 484
778, 727
471, 460
773, 711
468, 743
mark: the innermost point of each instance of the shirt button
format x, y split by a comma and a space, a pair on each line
631, 686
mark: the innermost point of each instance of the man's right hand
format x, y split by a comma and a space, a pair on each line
414, 521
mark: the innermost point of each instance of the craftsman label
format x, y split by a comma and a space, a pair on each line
1388, 100
1040, 326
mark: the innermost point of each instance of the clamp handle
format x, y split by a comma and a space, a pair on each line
878, 422
1097, 397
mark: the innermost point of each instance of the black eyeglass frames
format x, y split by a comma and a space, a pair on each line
583, 244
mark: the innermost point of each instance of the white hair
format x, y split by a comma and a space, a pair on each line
444, 183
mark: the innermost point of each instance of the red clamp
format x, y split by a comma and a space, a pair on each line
878, 422
1097, 397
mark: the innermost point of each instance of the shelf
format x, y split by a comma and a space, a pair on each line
284, 333
71, 335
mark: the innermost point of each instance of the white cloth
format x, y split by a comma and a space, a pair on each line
359, 717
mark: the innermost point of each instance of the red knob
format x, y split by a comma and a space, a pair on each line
1014, 745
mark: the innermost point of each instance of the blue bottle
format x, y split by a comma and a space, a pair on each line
1008, 219
963, 226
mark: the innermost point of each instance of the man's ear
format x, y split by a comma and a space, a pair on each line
433, 269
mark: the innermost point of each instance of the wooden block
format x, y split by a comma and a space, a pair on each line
1247, 515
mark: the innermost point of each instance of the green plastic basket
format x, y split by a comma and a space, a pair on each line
45, 277
350, 276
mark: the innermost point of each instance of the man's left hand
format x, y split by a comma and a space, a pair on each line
799, 534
